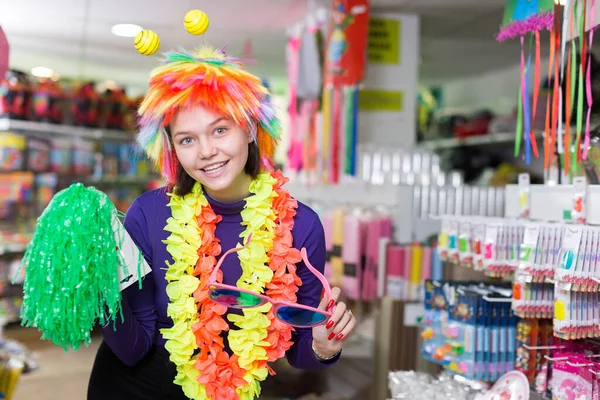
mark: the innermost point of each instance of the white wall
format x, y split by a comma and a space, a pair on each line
496, 90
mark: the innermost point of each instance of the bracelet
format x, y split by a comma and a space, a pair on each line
322, 357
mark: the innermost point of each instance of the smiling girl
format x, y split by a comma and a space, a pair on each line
209, 127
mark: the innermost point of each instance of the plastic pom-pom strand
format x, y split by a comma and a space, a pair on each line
71, 267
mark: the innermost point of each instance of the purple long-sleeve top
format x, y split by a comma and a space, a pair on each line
145, 310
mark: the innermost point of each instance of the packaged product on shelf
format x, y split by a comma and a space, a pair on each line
84, 105
127, 164
38, 155
110, 159
15, 95
83, 157
12, 152
47, 99
469, 329
113, 107
60, 156
46, 185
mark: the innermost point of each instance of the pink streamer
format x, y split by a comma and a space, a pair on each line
523, 89
588, 90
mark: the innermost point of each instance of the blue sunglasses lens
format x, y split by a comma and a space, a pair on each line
300, 317
233, 298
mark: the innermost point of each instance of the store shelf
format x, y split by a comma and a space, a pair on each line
12, 249
120, 181
482, 140
64, 130
552, 203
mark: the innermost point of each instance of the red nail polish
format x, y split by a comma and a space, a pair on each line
331, 303
339, 337
329, 325
331, 335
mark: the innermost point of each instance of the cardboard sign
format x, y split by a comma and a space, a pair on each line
3, 54
131, 254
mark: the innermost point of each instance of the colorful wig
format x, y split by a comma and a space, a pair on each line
210, 78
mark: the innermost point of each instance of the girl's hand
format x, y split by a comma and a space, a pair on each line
330, 338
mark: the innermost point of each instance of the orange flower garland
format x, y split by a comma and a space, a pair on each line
282, 261
218, 375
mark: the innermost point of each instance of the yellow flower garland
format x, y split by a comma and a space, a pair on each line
248, 343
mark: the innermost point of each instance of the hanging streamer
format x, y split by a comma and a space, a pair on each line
348, 107
588, 86
355, 95
326, 133
341, 168
568, 110
536, 90
335, 138
556, 77
580, 83
522, 94
572, 83
547, 129
527, 121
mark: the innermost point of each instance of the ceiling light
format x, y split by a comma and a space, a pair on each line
42, 72
126, 30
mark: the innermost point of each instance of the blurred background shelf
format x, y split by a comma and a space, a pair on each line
480, 140
25, 127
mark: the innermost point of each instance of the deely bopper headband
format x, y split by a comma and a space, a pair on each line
205, 76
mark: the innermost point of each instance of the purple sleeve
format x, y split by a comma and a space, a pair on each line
132, 338
301, 354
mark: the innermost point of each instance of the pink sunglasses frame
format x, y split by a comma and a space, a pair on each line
212, 285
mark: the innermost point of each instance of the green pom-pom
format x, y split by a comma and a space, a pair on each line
71, 282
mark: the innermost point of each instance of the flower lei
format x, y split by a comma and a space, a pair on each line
268, 266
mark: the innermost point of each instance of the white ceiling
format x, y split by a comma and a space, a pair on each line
73, 36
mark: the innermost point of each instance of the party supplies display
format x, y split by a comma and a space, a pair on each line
352, 242
533, 288
407, 268
486, 244
469, 328
577, 278
534, 341
12, 152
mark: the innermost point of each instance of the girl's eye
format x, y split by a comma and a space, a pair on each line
220, 131
185, 141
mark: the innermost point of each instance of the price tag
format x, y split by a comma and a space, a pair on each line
524, 190
578, 211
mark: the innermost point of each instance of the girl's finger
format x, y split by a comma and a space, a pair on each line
341, 325
326, 303
340, 310
347, 329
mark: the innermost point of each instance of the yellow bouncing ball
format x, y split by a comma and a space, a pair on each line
147, 42
196, 22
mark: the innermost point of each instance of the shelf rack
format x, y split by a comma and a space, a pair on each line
480, 140
31, 127
553, 203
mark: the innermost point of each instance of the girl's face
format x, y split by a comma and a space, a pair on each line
213, 150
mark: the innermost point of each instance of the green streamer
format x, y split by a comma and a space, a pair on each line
580, 84
348, 108
519, 132
72, 281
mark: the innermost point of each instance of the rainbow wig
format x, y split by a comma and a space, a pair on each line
210, 78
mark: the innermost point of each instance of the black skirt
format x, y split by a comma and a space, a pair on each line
150, 379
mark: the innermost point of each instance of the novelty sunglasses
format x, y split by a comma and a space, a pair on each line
293, 314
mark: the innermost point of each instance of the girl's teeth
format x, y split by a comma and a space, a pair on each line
214, 167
